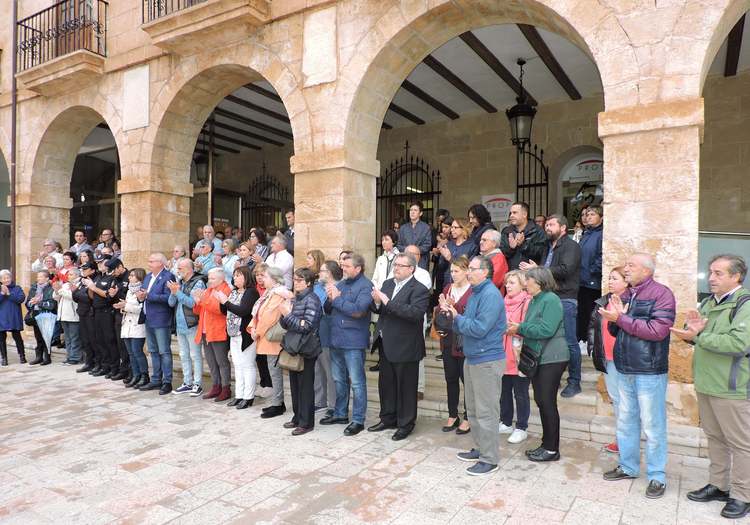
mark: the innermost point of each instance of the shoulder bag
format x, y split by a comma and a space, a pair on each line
275, 334
528, 361
292, 363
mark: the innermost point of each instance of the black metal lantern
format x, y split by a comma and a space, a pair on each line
521, 116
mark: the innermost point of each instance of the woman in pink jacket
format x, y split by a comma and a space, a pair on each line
515, 384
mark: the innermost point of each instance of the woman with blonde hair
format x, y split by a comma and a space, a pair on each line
514, 384
315, 259
457, 245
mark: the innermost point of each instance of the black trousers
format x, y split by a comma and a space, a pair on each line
515, 387
16, 337
302, 385
87, 330
397, 389
41, 347
104, 324
546, 383
265, 375
124, 358
453, 368
586, 299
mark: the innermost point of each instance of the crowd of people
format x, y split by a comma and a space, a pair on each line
511, 309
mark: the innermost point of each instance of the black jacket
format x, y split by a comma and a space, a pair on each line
244, 311
81, 297
400, 325
595, 341
565, 266
531, 250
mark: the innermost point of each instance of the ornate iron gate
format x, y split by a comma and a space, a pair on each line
265, 202
532, 179
407, 179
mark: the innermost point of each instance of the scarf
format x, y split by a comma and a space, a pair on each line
134, 287
515, 306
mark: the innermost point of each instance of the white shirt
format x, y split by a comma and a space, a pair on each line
38, 265
730, 292
284, 261
384, 268
424, 277
400, 284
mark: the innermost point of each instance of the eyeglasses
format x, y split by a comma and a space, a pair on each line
298, 280
399, 265
473, 269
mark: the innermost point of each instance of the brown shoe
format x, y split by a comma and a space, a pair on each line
224, 394
215, 391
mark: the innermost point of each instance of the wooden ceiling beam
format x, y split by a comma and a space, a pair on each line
255, 124
428, 99
459, 84
734, 44
255, 107
245, 133
231, 140
489, 58
406, 114
217, 146
385, 125
544, 52
265, 92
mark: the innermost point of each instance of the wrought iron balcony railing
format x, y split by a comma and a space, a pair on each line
155, 9
67, 26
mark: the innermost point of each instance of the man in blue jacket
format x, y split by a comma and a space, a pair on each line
482, 326
418, 233
348, 304
154, 294
591, 268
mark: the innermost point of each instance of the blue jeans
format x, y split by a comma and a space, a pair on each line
190, 357
138, 363
158, 340
612, 380
72, 340
570, 320
643, 405
349, 365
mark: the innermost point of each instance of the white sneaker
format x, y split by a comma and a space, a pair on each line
518, 436
183, 389
504, 429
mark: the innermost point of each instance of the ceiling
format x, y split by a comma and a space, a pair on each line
739, 41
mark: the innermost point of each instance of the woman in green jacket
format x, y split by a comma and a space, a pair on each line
542, 331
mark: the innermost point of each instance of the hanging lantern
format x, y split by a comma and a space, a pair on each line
521, 116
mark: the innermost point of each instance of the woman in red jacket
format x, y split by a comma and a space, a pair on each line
212, 334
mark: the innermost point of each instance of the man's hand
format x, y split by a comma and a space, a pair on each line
527, 265
173, 286
694, 325
379, 297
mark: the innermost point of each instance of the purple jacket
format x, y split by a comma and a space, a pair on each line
642, 344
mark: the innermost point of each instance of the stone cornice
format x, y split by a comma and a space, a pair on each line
652, 117
133, 185
332, 159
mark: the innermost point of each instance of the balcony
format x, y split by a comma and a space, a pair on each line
188, 26
63, 46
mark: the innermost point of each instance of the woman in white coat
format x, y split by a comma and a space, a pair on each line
133, 332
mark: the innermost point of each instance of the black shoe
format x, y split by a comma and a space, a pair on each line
533, 451
84, 368
234, 402
245, 403
150, 386
4, 361
330, 420
379, 427
37, 361
708, 493
22, 359
133, 381
375, 368
108, 375
300, 431
101, 372
95, 369
165, 389
353, 429
655, 489
400, 434
735, 509
617, 474
544, 455
273, 411
119, 376
143, 381
450, 428
571, 390
290, 424
47, 361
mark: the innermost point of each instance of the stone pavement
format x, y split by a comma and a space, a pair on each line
77, 449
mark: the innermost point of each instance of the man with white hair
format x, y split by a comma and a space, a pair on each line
280, 258
48, 248
640, 321
154, 294
210, 236
489, 246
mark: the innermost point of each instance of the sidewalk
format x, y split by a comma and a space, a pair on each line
78, 449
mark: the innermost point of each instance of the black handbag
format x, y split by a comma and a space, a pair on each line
29, 318
528, 362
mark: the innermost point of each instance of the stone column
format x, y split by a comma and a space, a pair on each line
154, 216
39, 216
651, 176
334, 199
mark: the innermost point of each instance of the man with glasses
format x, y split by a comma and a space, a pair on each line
482, 326
489, 246
401, 304
348, 304
48, 248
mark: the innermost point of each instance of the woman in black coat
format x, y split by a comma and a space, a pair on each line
38, 301
239, 307
302, 316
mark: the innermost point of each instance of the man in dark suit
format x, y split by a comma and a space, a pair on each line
401, 302
154, 294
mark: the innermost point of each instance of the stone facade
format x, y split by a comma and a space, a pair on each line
653, 58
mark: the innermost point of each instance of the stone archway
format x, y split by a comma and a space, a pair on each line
180, 107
